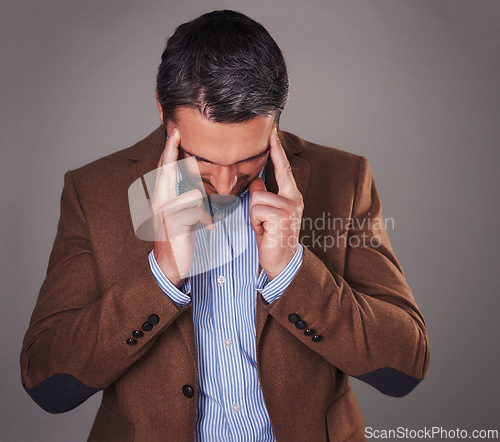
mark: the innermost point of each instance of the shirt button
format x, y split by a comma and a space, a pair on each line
221, 280
188, 391
219, 216
235, 408
227, 342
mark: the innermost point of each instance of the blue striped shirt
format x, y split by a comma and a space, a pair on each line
223, 286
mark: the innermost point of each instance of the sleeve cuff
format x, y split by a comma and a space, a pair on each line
179, 297
272, 290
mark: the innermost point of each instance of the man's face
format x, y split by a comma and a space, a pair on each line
228, 155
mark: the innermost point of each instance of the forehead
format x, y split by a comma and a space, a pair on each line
221, 143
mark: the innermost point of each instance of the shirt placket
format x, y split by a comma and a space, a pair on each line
226, 324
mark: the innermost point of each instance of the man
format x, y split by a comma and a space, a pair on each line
239, 319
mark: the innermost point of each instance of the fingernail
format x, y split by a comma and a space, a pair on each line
275, 130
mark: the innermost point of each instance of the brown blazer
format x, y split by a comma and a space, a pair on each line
99, 289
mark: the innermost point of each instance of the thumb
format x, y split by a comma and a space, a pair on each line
256, 184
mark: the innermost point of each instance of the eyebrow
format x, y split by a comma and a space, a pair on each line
268, 148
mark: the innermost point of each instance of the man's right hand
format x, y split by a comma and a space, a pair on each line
174, 216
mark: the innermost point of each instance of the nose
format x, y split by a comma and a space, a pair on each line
224, 179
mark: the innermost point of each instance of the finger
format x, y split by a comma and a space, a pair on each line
282, 169
169, 225
256, 184
189, 217
171, 147
266, 217
166, 174
271, 199
192, 198
170, 152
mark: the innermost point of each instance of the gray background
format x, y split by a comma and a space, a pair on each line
411, 84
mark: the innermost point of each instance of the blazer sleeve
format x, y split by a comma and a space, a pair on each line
368, 322
79, 339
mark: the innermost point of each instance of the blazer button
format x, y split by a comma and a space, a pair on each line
317, 338
137, 334
293, 318
153, 319
309, 332
147, 326
188, 391
300, 324
131, 341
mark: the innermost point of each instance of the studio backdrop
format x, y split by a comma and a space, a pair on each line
412, 85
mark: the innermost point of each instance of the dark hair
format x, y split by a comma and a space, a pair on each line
226, 65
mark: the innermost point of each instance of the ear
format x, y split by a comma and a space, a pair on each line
158, 105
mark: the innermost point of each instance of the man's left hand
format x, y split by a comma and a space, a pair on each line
276, 218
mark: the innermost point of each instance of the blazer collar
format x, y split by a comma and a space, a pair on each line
150, 148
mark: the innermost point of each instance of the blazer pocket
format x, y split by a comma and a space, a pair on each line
110, 427
344, 420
